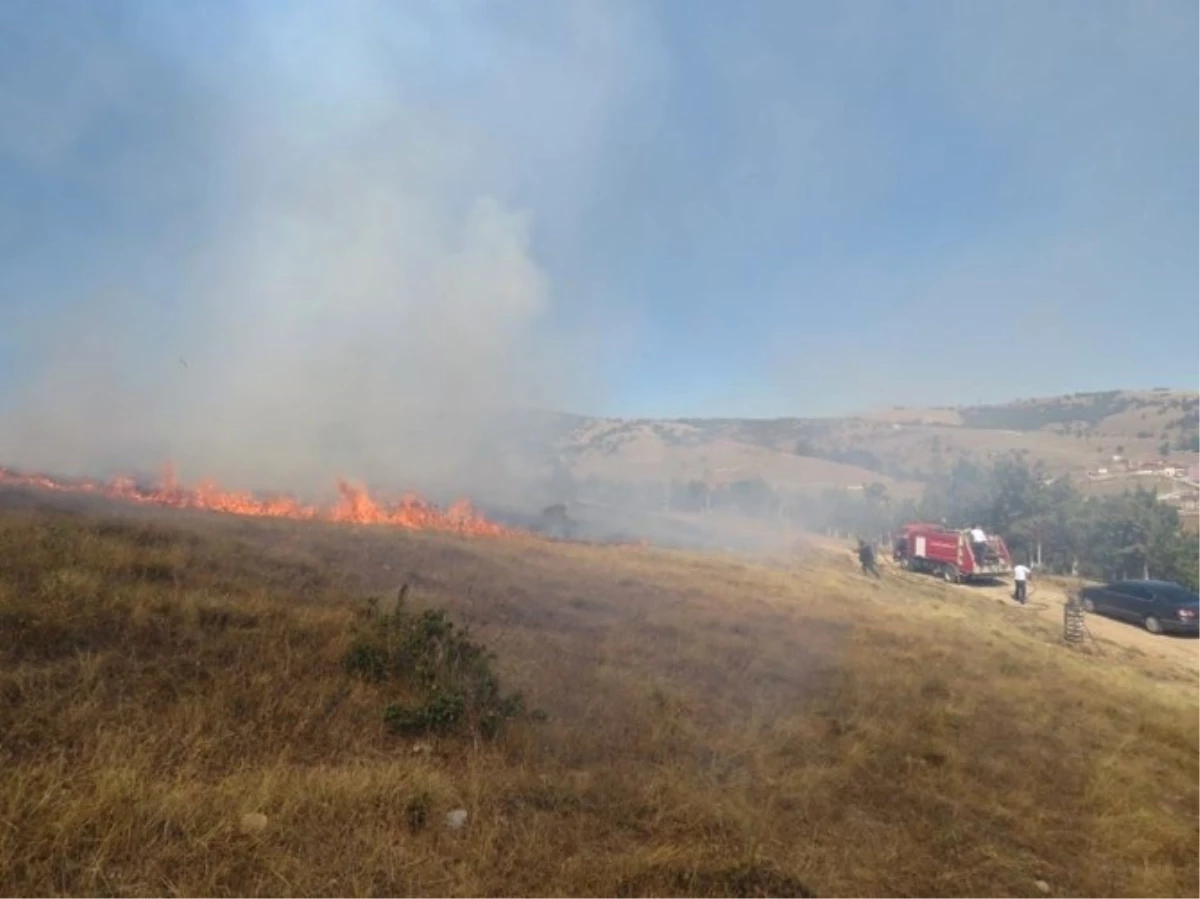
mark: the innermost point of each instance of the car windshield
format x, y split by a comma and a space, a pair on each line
1178, 596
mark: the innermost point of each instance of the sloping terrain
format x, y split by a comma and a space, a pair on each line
176, 717
896, 447
1108, 635
673, 451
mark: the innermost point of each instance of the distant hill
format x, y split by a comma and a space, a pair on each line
897, 447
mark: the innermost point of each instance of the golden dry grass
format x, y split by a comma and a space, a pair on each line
175, 719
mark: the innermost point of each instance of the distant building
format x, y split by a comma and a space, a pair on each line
1183, 498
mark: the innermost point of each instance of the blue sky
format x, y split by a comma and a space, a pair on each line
688, 208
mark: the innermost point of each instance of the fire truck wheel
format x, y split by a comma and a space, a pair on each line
1089, 606
950, 574
1153, 625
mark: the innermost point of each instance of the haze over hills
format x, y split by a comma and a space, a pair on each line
650, 476
900, 447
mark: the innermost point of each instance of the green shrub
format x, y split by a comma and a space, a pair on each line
447, 678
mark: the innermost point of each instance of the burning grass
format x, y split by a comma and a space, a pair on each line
355, 506
176, 716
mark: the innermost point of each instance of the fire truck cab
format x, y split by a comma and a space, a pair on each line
948, 553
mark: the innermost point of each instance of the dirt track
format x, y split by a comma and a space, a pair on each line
1047, 600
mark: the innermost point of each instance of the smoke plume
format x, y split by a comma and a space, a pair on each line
315, 273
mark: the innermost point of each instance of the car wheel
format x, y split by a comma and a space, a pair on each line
1089, 606
1153, 625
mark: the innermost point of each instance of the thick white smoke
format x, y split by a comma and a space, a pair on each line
350, 296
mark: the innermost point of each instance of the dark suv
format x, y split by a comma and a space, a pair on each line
1160, 606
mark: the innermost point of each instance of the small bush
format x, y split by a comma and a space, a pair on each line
439, 713
366, 660
447, 677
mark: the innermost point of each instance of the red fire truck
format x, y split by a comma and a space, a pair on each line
949, 554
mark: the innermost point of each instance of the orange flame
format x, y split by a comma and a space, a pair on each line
356, 505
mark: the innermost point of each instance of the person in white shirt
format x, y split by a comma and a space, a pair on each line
1020, 582
978, 544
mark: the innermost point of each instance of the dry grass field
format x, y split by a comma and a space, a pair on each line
176, 718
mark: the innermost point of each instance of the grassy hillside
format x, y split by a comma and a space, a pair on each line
176, 717
896, 447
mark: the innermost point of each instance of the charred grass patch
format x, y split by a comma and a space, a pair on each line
199, 707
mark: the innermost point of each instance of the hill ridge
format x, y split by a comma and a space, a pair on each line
899, 447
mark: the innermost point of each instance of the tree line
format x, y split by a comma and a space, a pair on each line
1044, 520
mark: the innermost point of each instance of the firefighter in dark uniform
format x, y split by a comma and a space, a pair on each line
866, 557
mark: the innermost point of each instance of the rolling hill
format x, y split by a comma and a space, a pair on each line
898, 447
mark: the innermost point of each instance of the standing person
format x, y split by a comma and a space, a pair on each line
1020, 582
978, 544
866, 557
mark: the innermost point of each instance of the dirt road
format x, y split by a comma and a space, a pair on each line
1047, 600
